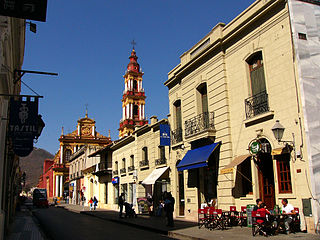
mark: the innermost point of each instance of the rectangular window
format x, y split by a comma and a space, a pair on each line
284, 176
302, 36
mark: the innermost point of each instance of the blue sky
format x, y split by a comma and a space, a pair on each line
88, 44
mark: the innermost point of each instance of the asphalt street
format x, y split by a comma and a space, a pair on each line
58, 223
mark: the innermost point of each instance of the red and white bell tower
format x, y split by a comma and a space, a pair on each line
133, 99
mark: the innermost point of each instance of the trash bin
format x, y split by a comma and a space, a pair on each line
249, 216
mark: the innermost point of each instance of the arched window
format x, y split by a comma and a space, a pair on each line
135, 85
202, 90
145, 154
123, 163
67, 155
257, 78
135, 112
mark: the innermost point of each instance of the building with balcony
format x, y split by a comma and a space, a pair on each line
225, 96
140, 165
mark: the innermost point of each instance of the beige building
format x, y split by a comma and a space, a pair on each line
225, 97
12, 44
140, 166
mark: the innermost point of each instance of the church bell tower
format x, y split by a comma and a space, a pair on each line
133, 98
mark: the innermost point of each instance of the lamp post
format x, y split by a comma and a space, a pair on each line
278, 131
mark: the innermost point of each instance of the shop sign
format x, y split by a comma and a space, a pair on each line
227, 170
23, 121
115, 180
254, 147
25, 9
165, 135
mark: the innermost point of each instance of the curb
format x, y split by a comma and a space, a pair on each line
181, 236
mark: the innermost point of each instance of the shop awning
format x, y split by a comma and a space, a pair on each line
154, 176
238, 160
198, 157
281, 150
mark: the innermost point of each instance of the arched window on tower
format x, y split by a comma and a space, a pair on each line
135, 85
135, 112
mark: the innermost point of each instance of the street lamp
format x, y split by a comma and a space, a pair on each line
278, 130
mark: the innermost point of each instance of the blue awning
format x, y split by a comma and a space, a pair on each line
198, 157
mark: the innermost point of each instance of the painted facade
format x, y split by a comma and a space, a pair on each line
231, 87
134, 158
133, 98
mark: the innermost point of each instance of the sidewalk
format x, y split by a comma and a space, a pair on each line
24, 227
182, 229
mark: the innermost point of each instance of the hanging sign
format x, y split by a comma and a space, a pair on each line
164, 135
254, 147
23, 121
115, 180
25, 9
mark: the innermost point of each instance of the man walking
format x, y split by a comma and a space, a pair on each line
169, 208
121, 203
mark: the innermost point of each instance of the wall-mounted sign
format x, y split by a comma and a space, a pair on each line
164, 135
254, 147
23, 121
26, 9
115, 180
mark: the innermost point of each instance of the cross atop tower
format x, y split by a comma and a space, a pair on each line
133, 43
86, 109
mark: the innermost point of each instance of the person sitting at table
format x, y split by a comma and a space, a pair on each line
256, 207
288, 210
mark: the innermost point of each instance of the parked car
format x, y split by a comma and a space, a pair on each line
39, 198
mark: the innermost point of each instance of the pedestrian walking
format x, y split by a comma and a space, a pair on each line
83, 200
121, 203
91, 203
95, 203
169, 208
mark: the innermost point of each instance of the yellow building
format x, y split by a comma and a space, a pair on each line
72, 146
140, 166
225, 97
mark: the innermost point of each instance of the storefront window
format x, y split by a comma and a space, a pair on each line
116, 193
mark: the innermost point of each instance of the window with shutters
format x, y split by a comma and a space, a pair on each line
284, 176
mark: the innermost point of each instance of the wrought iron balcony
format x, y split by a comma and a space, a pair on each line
123, 170
144, 163
257, 104
176, 136
103, 166
161, 161
131, 168
199, 123
115, 172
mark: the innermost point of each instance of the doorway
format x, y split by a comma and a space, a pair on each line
266, 179
181, 193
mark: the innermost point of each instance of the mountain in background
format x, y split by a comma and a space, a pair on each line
32, 165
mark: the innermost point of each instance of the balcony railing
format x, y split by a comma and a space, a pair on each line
122, 171
103, 166
257, 104
161, 161
176, 136
130, 169
115, 172
144, 163
199, 123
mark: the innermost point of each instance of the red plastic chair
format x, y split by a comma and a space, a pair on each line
217, 219
233, 217
259, 221
203, 218
295, 224
243, 216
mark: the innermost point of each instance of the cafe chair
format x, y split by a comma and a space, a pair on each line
295, 224
203, 217
217, 219
243, 216
233, 217
259, 223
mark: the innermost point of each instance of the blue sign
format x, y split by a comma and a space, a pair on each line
115, 180
164, 135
